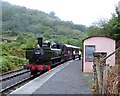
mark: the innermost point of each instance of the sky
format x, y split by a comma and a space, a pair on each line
84, 12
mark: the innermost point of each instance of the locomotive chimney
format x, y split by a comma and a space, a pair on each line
40, 41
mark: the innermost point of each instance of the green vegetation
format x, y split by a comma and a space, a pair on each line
22, 26
11, 63
109, 28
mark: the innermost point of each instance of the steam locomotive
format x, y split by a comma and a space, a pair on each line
46, 55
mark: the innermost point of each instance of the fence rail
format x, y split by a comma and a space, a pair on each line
101, 70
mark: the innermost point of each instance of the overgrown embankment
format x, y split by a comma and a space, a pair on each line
113, 80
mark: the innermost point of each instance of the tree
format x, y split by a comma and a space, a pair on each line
52, 13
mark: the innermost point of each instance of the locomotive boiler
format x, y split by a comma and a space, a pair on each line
43, 56
46, 55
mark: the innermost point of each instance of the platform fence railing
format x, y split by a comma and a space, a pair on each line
106, 76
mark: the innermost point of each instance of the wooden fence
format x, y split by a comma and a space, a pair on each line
101, 70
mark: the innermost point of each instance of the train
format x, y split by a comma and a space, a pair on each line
46, 55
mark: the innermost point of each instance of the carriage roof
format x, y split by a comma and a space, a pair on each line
71, 46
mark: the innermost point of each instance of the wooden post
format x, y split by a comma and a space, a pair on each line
96, 71
103, 72
99, 70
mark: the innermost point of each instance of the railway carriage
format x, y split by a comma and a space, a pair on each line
69, 51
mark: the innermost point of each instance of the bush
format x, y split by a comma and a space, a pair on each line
9, 63
7, 66
3, 53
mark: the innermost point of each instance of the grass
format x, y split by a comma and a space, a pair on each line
89, 78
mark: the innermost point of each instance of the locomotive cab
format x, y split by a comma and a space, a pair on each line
52, 52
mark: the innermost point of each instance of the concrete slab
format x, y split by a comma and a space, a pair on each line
69, 80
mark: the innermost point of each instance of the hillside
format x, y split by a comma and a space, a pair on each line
21, 27
18, 20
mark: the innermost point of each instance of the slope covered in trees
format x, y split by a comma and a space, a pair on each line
19, 20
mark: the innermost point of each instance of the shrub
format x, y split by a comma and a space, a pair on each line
9, 63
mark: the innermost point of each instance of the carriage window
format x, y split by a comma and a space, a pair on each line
89, 49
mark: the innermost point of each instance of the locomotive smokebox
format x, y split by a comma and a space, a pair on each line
40, 41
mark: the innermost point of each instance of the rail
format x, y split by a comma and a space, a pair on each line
101, 70
13, 78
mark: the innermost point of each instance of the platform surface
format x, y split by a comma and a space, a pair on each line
64, 79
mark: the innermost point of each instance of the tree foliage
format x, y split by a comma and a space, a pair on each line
109, 28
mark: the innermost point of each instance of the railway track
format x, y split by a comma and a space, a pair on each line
13, 79
13, 74
6, 73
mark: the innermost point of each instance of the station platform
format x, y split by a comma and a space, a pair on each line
66, 78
